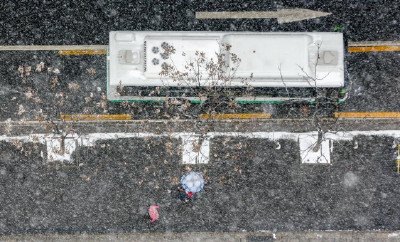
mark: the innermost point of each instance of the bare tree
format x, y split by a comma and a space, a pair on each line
210, 78
42, 95
322, 97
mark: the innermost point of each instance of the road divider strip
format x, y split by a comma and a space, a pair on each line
368, 115
62, 49
370, 46
91, 117
373, 48
82, 52
236, 116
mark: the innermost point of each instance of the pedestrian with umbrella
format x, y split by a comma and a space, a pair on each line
192, 183
182, 195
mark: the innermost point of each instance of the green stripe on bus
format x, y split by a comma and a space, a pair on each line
273, 102
197, 101
136, 101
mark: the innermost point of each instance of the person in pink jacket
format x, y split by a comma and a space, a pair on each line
153, 212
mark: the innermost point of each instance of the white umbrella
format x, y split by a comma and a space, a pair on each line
192, 182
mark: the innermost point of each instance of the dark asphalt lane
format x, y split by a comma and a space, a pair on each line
88, 22
374, 82
252, 188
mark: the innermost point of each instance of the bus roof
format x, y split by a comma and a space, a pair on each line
272, 59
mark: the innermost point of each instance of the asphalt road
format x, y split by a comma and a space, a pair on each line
273, 191
88, 22
255, 187
374, 81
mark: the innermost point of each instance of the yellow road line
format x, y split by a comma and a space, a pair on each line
90, 117
236, 116
82, 52
368, 115
374, 48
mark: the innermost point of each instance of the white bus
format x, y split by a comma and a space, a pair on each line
275, 61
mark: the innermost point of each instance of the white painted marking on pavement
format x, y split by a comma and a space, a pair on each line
308, 156
374, 43
283, 15
55, 151
90, 139
53, 47
193, 152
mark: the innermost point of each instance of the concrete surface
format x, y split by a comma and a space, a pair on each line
313, 236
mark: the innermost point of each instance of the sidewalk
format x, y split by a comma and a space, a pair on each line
320, 236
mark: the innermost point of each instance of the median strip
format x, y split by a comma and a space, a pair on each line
236, 116
82, 52
374, 46
368, 115
62, 49
91, 117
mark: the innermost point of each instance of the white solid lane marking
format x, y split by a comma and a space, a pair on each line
374, 43
283, 15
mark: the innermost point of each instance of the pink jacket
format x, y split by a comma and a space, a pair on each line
153, 212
